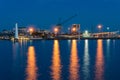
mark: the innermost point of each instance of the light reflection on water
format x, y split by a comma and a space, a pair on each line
108, 48
16, 61
74, 62
99, 66
93, 64
15, 50
56, 62
31, 69
86, 61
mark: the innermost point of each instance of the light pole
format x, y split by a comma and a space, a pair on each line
68, 30
73, 30
56, 30
108, 31
31, 30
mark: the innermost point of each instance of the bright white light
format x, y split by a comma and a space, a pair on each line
99, 26
86, 32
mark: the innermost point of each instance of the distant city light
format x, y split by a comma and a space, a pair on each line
73, 29
56, 30
108, 28
68, 28
86, 32
31, 29
99, 26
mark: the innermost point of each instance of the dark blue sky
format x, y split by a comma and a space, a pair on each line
45, 13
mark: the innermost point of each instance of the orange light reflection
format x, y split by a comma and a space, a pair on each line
56, 62
99, 61
74, 62
31, 69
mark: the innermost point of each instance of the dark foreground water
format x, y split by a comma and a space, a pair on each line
60, 60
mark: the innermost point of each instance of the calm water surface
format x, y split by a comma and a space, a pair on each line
60, 60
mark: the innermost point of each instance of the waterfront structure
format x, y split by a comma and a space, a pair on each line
86, 34
22, 30
75, 29
105, 34
16, 31
75, 33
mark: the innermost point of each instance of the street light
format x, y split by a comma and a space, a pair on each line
99, 27
108, 31
31, 30
73, 29
56, 30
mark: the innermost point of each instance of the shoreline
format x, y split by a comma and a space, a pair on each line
69, 38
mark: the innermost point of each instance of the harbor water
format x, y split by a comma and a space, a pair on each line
60, 60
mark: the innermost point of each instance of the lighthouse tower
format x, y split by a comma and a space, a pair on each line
16, 31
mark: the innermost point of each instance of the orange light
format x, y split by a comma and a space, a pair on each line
74, 62
73, 29
31, 69
99, 72
56, 29
56, 62
31, 29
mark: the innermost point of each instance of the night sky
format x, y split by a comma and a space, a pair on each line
46, 13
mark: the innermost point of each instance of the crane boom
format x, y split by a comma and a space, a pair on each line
58, 27
65, 21
69, 19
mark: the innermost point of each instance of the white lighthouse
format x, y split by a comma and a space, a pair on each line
16, 31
